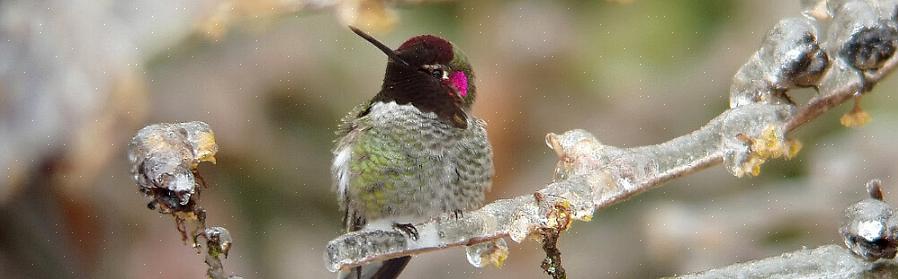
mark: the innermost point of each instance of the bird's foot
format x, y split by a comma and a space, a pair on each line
408, 229
458, 213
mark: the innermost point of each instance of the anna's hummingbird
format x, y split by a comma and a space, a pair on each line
414, 151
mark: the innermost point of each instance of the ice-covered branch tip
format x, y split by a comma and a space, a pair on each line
218, 242
164, 159
862, 38
870, 228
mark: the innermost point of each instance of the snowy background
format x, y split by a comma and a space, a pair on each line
79, 77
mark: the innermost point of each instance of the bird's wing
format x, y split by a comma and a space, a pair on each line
380, 166
347, 131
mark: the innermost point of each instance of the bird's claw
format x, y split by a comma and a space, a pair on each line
458, 213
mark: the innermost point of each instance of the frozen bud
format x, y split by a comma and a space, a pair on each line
164, 158
862, 33
869, 230
219, 241
871, 47
790, 56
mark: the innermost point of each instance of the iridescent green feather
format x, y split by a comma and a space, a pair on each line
382, 169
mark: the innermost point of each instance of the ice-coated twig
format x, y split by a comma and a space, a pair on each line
549, 237
861, 38
164, 159
830, 261
218, 243
868, 230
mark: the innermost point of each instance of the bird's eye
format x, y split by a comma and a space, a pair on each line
437, 73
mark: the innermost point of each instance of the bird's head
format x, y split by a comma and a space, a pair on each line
430, 73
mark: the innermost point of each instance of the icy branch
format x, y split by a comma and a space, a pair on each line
861, 38
869, 232
828, 261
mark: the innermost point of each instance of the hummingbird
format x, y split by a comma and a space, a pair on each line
414, 151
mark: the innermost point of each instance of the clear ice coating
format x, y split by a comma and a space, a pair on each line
860, 37
754, 133
862, 32
219, 240
361, 246
789, 57
523, 222
486, 253
814, 9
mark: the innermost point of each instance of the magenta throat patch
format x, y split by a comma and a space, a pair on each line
460, 81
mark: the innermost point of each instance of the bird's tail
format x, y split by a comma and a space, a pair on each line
388, 269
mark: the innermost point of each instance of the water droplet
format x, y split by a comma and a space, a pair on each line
483, 254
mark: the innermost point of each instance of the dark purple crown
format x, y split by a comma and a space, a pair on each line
440, 48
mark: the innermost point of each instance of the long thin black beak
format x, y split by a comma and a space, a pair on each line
390, 53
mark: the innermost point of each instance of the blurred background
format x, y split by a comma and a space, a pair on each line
79, 77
